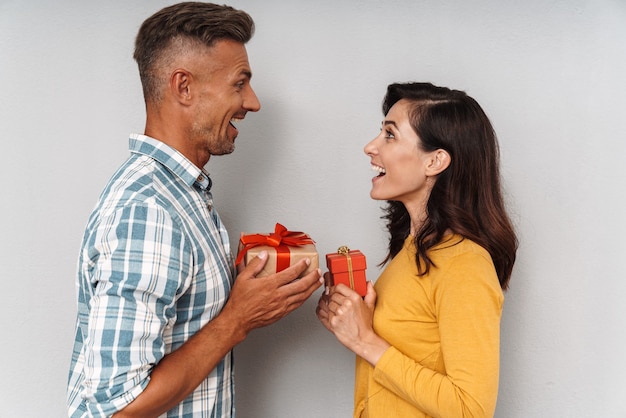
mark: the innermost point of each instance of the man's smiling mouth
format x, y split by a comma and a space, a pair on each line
233, 121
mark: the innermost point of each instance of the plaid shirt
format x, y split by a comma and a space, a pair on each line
155, 266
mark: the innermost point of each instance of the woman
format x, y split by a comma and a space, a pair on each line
427, 335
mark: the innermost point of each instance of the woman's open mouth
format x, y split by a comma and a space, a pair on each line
380, 170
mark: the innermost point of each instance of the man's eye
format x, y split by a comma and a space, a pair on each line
389, 134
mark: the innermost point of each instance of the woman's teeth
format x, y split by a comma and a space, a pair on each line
381, 171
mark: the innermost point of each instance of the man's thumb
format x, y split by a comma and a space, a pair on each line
257, 263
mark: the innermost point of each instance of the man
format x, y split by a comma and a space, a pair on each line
159, 310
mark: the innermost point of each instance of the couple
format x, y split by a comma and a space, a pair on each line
160, 308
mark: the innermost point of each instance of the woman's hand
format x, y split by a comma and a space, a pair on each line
322, 304
349, 317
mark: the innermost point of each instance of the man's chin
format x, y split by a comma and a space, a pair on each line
224, 151
225, 145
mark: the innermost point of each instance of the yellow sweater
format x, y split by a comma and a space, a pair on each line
444, 329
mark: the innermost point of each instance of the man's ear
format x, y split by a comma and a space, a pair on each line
180, 85
439, 161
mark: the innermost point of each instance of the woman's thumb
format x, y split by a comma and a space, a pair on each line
370, 296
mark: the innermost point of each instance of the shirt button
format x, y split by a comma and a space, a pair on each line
200, 178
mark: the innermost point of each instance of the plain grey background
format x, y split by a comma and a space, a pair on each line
551, 75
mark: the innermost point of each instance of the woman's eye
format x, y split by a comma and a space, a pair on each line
389, 135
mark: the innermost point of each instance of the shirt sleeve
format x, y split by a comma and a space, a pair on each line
138, 264
468, 303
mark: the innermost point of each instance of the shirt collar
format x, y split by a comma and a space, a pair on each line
176, 162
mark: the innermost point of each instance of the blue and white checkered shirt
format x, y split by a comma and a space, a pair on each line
154, 267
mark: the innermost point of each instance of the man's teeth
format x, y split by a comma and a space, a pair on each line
379, 169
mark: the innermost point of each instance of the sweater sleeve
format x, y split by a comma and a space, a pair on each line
468, 304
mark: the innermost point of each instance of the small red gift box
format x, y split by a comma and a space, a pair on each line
348, 267
284, 249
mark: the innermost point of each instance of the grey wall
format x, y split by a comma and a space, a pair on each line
551, 75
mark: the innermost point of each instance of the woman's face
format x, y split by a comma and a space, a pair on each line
401, 164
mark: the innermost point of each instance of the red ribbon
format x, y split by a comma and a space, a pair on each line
281, 239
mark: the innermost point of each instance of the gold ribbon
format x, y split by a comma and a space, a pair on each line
344, 250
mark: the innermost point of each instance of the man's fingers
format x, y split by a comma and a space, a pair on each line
293, 272
298, 291
255, 266
305, 285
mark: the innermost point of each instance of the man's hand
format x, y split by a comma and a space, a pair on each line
260, 301
254, 302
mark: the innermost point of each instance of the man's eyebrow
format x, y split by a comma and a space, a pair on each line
390, 122
247, 73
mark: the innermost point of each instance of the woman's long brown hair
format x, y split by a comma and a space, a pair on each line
466, 197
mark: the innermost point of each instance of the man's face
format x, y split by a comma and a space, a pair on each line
223, 95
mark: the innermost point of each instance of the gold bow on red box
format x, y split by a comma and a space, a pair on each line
348, 267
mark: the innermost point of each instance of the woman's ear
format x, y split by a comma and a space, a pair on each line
439, 161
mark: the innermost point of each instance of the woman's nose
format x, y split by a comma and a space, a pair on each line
370, 147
